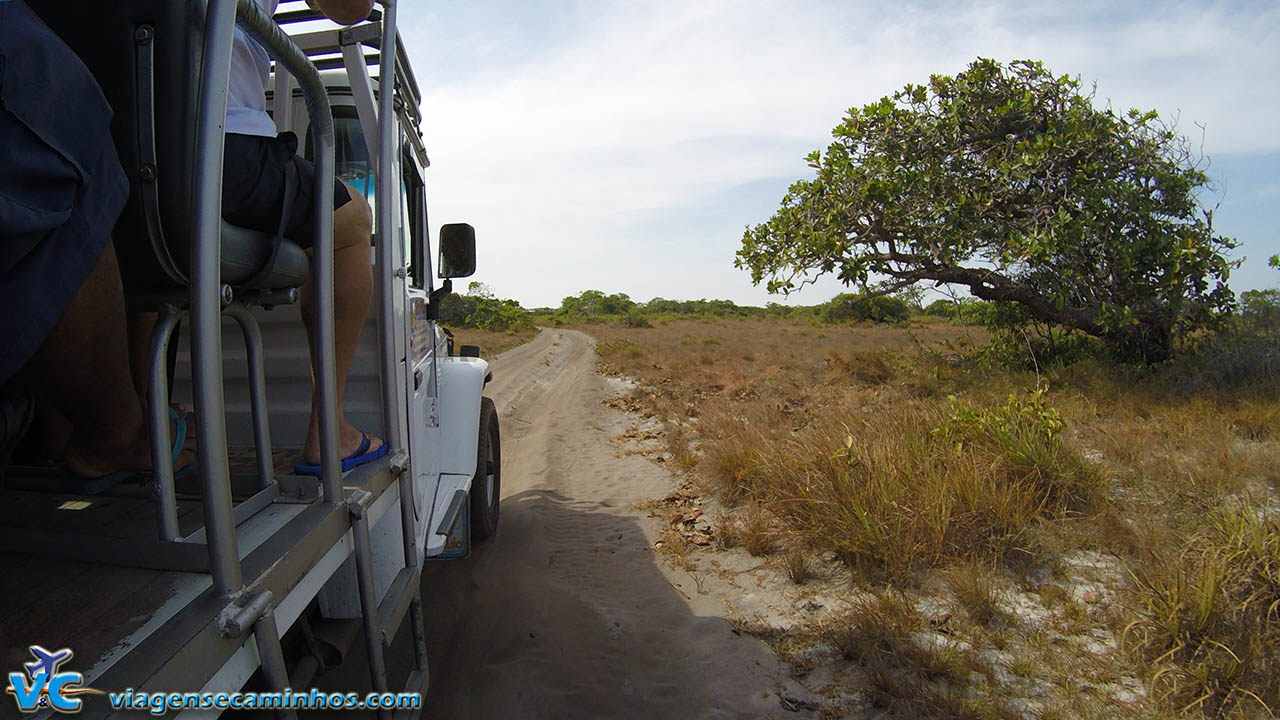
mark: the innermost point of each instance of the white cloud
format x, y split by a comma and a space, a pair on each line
611, 148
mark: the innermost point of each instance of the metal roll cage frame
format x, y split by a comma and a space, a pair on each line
247, 591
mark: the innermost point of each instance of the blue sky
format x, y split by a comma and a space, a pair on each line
625, 146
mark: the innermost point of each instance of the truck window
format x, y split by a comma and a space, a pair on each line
351, 156
414, 206
353, 166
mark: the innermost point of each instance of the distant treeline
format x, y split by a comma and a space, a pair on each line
596, 306
479, 308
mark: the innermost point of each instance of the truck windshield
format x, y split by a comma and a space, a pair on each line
353, 166
351, 155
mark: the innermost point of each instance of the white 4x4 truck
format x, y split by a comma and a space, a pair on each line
239, 576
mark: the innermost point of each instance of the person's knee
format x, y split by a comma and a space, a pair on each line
353, 222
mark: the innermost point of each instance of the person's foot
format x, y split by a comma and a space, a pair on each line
349, 440
102, 454
187, 416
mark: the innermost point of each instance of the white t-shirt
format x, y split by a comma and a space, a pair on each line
246, 93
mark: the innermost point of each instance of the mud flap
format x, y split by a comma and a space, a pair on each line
457, 544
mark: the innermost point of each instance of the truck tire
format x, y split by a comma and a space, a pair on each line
486, 486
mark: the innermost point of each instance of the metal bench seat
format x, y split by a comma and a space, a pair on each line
250, 260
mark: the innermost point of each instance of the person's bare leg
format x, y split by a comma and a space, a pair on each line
352, 289
83, 369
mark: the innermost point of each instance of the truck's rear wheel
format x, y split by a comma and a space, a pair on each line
486, 486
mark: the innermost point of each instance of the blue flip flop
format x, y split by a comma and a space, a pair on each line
95, 485
361, 456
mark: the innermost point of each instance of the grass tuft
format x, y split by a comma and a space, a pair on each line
973, 586
798, 564
756, 532
1208, 624
907, 671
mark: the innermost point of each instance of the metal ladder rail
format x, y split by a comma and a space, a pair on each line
420, 678
377, 622
387, 147
206, 303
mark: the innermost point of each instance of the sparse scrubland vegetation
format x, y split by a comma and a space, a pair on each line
1020, 525
1015, 537
1058, 498
1093, 491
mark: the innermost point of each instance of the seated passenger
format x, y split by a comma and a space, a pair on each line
253, 196
63, 321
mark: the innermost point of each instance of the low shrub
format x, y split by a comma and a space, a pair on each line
847, 307
798, 564
635, 319
1244, 353
960, 311
495, 314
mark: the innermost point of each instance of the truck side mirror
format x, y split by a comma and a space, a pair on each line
457, 250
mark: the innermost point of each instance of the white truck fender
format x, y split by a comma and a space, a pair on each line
462, 381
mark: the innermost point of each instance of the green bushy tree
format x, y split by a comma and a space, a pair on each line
481, 308
593, 304
1010, 181
875, 308
455, 309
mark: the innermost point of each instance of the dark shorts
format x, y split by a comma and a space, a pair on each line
253, 186
61, 185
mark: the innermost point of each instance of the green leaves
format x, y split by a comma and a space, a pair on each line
1090, 217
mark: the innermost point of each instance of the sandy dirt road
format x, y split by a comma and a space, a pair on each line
567, 613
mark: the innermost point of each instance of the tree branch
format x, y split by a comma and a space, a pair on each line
991, 285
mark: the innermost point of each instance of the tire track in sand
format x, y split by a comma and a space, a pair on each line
566, 613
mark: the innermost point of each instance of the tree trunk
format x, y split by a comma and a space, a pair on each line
1145, 343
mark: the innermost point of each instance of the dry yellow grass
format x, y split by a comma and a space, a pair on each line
898, 452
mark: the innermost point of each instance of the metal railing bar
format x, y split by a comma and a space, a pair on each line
387, 190
362, 94
158, 399
206, 297
369, 603
266, 635
338, 61
257, 391
262, 28
322, 42
289, 17
410, 81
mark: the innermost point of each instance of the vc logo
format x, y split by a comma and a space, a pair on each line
47, 687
